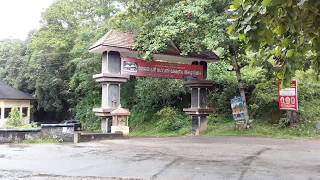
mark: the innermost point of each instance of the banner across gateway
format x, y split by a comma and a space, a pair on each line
156, 69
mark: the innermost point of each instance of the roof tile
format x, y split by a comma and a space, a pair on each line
7, 92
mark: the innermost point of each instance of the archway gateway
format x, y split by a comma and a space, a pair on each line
120, 61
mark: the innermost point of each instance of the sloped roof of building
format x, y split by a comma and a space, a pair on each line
126, 40
116, 39
10, 93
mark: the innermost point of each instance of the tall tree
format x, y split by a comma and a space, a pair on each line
287, 29
193, 26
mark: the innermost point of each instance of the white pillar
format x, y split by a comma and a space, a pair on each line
104, 62
104, 100
2, 113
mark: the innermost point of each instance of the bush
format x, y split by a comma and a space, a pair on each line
153, 94
264, 99
169, 119
85, 114
15, 119
309, 96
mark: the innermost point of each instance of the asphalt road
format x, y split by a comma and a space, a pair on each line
165, 158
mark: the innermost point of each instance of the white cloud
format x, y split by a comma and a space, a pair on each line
18, 17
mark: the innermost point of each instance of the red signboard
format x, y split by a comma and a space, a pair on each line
155, 69
288, 97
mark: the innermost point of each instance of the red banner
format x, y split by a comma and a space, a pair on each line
288, 97
155, 69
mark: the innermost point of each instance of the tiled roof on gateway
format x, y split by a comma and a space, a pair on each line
126, 40
10, 93
116, 39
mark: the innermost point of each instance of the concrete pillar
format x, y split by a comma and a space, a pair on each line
199, 109
110, 79
104, 100
104, 60
199, 124
2, 113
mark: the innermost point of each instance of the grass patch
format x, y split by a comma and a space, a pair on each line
221, 126
42, 141
262, 129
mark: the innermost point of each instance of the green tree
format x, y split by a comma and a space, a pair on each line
285, 29
193, 26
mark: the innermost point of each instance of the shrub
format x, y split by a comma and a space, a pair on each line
170, 119
85, 114
15, 119
153, 94
264, 99
309, 96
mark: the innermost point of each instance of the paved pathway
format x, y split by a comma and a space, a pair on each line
165, 158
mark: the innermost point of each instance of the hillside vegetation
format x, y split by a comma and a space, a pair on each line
254, 40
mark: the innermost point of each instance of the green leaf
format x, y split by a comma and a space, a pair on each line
231, 29
290, 53
266, 3
242, 37
236, 4
233, 8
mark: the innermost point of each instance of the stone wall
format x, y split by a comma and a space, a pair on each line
86, 137
64, 132
17, 135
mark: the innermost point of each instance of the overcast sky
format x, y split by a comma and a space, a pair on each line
18, 17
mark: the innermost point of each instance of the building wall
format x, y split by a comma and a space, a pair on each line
14, 104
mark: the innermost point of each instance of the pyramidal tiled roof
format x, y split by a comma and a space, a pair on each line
126, 40
10, 93
116, 39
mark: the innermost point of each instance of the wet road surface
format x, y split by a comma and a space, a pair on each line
165, 158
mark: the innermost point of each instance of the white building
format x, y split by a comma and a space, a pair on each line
11, 98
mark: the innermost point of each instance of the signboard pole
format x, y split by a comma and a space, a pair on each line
288, 97
288, 100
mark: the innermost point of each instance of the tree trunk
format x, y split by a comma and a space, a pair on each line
292, 116
241, 89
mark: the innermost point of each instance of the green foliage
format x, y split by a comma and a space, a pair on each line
227, 86
169, 119
264, 99
153, 94
128, 94
85, 114
54, 63
309, 96
166, 122
284, 29
193, 26
225, 127
15, 119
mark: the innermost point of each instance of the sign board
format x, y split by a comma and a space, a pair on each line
237, 106
288, 97
155, 69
